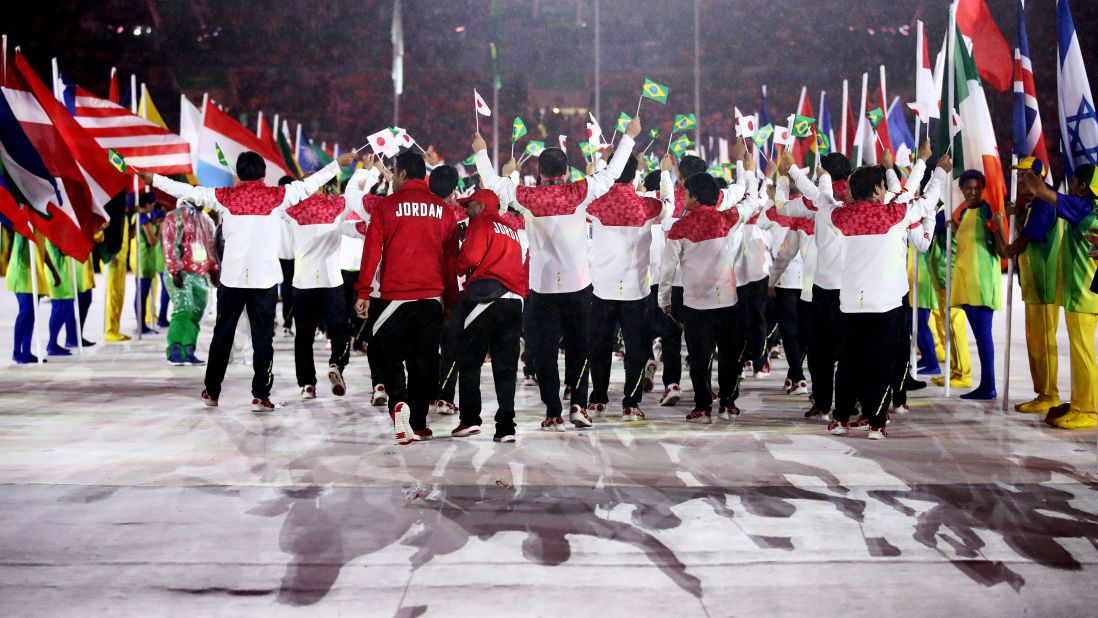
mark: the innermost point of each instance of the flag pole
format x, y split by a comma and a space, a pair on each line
640, 100
951, 81
137, 226
33, 246
846, 103
154, 297
858, 136
56, 75
259, 125
1010, 283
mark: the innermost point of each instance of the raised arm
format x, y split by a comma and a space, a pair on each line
600, 182
298, 190
502, 186
203, 197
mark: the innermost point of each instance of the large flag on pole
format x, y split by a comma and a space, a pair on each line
804, 150
13, 212
883, 140
973, 137
219, 131
1029, 136
190, 125
990, 49
926, 94
1078, 123
825, 135
900, 132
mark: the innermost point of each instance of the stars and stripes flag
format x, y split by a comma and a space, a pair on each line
1029, 137
1078, 123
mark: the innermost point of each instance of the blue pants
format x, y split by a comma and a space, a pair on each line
140, 302
925, 341
62, 314
164, 301
980, 320
24, 326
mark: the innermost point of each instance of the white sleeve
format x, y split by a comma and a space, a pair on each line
667, 192
298, 190
203, 197
892, 183
601, 181
790, 246
489, 179
920, 237
360, 184
911, 187
669, 263
807, 188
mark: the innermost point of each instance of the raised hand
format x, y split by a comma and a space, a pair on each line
634, 128
667, 163
887, 160
511, 166
479, 143
945, 164
739, 150
785, 161
925, 151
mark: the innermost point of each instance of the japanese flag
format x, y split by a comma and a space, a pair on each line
384, 143
482, 107
782, 136
563, 140
745, 125
594, 134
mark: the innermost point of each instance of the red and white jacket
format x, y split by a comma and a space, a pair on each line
703, 244
621, 234
492, 250
250, 222
412, 237
316, 225
557, 226
874, 235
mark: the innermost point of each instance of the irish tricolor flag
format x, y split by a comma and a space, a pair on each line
973, 144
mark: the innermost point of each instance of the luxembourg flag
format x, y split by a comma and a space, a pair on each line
1029, 137
220, 131
1078, 124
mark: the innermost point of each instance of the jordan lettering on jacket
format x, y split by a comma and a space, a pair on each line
416, 209
501, 228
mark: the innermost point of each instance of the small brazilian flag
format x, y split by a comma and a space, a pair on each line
715, 171
518, 129
684, 122
654, 133
534, 148
587, 149
651, 162
802, 126
623, 122
680, 145
762, 135
875, 117
655, 91
574, 174
117, 160
220, 155
823, 144
472, 160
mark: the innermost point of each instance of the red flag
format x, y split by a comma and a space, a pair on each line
882, 128
990, 49
804, 145
113, 96
15, 213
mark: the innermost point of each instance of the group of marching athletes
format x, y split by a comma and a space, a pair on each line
445, 282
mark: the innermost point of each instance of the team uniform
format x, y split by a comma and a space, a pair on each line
187, 236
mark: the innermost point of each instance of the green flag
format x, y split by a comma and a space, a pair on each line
715, 171
472, 160
684, 122
802, 126
587, 148
823, 144
654, 133
574, 174
762, 135
655, 91
875, 117
117, 160
534, 148
220, 155
651, 162
518, 129
680, 145
623, 122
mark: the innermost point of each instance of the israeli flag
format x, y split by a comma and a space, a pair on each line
1078, 123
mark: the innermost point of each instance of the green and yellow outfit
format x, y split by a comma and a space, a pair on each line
960, 370
1039, 274
1081, 308
978, 288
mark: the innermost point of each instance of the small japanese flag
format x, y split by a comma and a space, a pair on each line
563, 140
482, 107
782, 136
384, 143
921, 110
745, 125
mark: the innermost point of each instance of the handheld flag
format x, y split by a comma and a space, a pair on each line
745, 125
563, 141
715, 171
782, 136
802, 126
470, 160
823, 144
651, 162
384, 143
574, 174
587, 148
875, 116
482, 107
684, 122
623, 122
518, 129
534, 148
655, 91
762, 136
220, 155
654, 133
680, 145
117, 160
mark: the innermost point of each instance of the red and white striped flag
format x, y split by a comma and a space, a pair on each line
144, 144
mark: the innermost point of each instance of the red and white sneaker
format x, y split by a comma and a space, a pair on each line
671, 395
445, 408
657, 350
764, 372
815, 412
308, 392
704, 417
728, 413
862, 424
901, 409
402, 432
506, 438
529, 382
208, 401
799, 388
380, 397
579, 417
464, 431
748, 370
649, 376
596, 411
422, 435
877, 434
335, 376
263, 405
632, 414
836, 428
553, 424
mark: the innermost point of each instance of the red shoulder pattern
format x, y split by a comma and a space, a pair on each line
317, 209
622, 207
867, 218
552, 200
250, 198
702, 223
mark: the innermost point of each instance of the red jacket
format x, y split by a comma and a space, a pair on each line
492, 251
412, 236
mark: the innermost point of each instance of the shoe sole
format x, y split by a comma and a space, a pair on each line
670, 400
875, 436
465, 434
339, 387
506, 440
838, 432
401, 430
698, 421
556, 427
582, 423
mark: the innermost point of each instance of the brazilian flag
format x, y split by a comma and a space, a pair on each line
587, 149
715, 171
684, 122
574, 174
762, 135
875, 117
623, 122
117, 160
651, 162
518, 129
802, 126
534, 148
655, 91
654, 133
823, 144
680, 145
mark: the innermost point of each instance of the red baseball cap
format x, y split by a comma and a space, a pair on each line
484, 196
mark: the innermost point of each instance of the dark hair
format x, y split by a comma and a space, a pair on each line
412, 164
721, 182
652, 181
472, 181
629, 173
443, 181
703, 187
285, 180
552, 163
251, 166
836, 165
865, 180
972, 175
690, 165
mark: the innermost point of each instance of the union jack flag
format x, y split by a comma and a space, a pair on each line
1029, 138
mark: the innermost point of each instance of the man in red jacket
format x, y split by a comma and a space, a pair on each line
412, 237
489, 314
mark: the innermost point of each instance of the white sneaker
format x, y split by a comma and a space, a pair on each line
445, 408
308, 392
579, 417
764, 372
529, 382
657, 350
335, 376
901, 409
800, 388
596, 411
553, 424
877, 434
402, 430
748, 370
649, 375
380, 397
671, 395
632, 414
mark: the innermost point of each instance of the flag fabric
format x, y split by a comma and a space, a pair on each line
587, 148
989, 47
680, 145
264, 132
782, 136
802, 126
762, 150
146, 109
825, 128
804, 151
534, 148
900, 132
385, 144
146, 144
307, 155
926, 95
403, 138
190, 127
563, 141
223, 139
745, 125
623, 122
470, 160
13, 212
654, 133
1029, 136
762, 136
883, 141
655, 91
651, 162
823, 144
971, 137
112, 90
117, 160
875, 116
1078, 123
684, 122
518, 129
574, 175
481, 107
286, 149
848, 141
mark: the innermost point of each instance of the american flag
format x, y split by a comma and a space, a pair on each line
1029, 139
144, 144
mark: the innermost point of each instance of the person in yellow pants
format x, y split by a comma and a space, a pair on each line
1038, 251
116, 289
1080, 212
960, 362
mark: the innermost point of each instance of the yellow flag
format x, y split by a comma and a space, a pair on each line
147, 110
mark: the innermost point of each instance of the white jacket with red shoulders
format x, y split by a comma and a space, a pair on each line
621, 235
